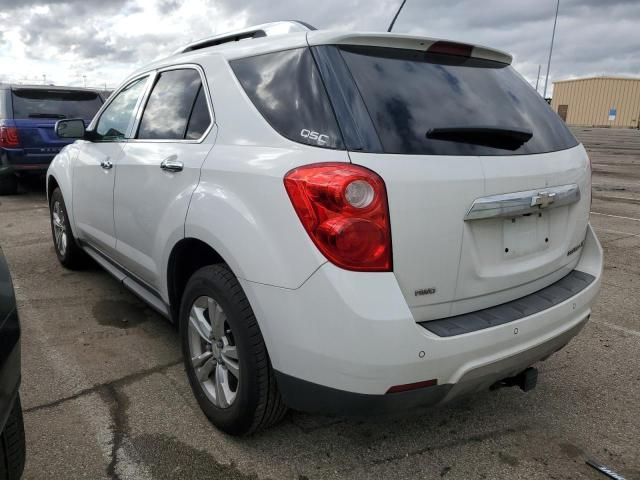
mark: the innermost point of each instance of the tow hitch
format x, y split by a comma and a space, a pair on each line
526, 380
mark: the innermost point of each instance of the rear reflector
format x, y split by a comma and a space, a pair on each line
412, 386
9, 137
451, 48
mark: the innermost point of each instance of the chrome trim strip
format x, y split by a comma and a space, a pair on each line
152, 75
142, 102
522, 203
131, 137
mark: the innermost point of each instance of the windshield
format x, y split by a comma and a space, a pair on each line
411, 93
56, 104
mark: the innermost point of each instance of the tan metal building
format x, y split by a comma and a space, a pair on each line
598, 101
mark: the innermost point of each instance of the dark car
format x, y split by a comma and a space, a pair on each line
12, 444
28, 114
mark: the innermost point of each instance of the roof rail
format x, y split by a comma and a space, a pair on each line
256, 31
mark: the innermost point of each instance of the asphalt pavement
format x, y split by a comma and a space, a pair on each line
105, 394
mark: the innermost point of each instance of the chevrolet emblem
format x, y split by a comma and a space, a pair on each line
543, 199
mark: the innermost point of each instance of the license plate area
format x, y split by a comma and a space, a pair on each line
526, 234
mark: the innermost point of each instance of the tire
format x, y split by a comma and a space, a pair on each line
68, 251
256, 402
8, 184
12, 445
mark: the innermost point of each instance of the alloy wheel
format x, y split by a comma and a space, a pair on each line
59, 228
214, 355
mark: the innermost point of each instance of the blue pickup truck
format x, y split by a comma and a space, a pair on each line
28, 114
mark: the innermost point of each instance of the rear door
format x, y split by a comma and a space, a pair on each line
160, 170
455, 131
35, 112
94, 174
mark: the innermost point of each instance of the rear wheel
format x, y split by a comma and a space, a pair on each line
225, 356
8, 184
12, 445
69, 253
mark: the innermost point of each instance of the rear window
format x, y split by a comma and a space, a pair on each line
409, 93
40, 103
287, 90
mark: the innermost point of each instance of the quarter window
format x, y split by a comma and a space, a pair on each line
177, 107
287, 90
115, 120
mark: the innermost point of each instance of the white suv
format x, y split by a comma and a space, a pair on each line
338, 222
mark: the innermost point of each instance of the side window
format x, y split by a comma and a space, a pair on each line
200, 119
176, 109
115, 120
287, 90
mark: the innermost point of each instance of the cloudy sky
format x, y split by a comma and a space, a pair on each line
104, 40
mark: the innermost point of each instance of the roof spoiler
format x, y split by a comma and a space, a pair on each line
256, 31
409, 42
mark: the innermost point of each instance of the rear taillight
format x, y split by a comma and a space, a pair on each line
344, 210
9, 137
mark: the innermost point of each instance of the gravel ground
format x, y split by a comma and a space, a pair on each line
105, 394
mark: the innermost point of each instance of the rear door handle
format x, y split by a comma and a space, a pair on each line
106, 164
171, 165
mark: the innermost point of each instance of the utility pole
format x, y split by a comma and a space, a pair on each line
84, 81
44, 79
553, 36
538, 78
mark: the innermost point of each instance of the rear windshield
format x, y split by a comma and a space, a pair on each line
37, 103
412, 96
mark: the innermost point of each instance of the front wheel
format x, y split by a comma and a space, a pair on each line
69, 253
225, 356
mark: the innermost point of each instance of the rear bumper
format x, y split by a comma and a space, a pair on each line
310, 397
16, 160
344, 338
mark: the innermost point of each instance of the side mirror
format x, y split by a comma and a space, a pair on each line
72, 128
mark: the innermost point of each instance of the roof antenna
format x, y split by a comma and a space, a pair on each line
396, 16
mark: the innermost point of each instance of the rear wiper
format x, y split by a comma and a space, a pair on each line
46, 115
506, 138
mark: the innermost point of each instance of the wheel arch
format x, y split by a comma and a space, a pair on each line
52, 184
59, 176
187, 256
